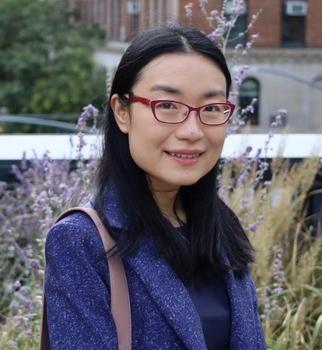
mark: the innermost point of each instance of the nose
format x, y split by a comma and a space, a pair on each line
191, 128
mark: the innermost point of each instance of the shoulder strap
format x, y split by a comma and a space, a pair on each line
120, 300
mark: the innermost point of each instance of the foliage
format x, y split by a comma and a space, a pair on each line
46, 60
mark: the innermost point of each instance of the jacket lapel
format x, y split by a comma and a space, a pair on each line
164, 287
169, 294
243, 327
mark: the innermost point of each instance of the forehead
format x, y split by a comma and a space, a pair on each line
182, 71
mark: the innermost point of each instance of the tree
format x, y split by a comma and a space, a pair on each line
46, 62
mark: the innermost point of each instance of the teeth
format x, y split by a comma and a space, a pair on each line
181, 155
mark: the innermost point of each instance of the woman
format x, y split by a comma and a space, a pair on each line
185, 254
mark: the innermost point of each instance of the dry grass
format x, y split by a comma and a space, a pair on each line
288, 268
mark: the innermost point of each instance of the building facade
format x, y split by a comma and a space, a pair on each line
285, 62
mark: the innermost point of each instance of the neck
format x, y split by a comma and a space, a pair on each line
165, 200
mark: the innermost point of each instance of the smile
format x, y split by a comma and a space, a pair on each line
185, 159
184, 155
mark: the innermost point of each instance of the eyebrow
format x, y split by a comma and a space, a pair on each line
215, 93
165, 88
172, 90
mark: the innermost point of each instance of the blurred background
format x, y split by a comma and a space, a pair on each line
56, 56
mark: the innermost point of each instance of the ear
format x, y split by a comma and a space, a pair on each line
121, 113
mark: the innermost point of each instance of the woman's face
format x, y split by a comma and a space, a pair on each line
158, 148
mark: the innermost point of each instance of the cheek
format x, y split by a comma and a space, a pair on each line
146, 136
138, 135
216, 142
136, 146
217, 138
145, 144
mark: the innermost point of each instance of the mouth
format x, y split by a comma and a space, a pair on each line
186, 158
184, 155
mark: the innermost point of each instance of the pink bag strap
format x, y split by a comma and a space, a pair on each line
120, 300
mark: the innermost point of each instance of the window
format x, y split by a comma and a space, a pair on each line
134, 11
248, 94
293, 27
240, 24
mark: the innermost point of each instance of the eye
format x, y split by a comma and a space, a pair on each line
166, 105
212, 108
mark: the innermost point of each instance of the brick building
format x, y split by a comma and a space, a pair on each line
285, 62
283, 23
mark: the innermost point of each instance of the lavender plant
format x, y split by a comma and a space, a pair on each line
43, 188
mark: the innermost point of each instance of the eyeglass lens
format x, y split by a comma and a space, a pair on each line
175, 112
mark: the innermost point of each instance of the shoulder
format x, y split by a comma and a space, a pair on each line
246, 283
75, 233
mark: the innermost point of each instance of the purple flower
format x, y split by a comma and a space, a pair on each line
253, 227
89, 112
229, 24
214, 14
248, 149
217, 34
240, 74
34, 263
17, 285
250, 109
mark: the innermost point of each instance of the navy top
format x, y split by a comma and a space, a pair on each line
212, 303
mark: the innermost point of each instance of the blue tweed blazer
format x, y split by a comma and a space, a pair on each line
163, 314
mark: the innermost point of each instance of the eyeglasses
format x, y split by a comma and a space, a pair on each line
174, 112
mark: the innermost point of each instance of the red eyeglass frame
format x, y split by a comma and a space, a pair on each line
133, 98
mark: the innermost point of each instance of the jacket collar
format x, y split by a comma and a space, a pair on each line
114, 212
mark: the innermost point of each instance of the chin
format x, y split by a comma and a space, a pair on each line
187, 182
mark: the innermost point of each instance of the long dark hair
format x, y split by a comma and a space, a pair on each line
213, 227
